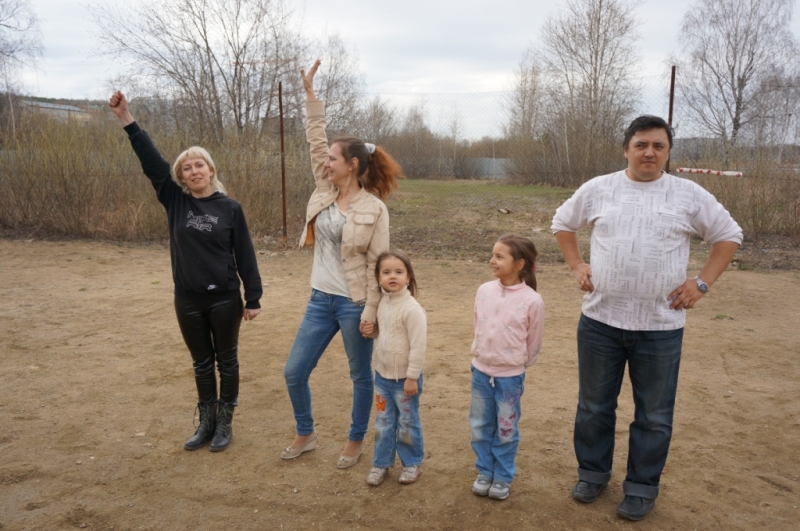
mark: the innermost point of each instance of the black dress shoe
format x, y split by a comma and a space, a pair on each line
635, 508
586, 492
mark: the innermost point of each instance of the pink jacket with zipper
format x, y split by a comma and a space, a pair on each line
509, 324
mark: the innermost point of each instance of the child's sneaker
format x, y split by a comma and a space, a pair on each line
499, 490
376, 476
482, 485
409, 475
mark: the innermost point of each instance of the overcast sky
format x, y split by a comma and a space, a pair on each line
407, 46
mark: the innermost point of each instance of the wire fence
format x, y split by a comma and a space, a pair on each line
78, 177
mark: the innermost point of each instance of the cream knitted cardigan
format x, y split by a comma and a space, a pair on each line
402, 332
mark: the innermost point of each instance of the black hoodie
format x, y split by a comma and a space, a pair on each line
208, 237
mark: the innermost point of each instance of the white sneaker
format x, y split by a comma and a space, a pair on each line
410, 474
482, 485
376, 476
499, 490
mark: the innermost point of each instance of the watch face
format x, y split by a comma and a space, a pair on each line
702, 286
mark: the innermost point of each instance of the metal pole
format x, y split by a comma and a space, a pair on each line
671, 102
283, 160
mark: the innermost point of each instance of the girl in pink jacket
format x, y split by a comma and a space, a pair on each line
509, 323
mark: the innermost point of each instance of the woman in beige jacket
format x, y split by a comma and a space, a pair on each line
348, 225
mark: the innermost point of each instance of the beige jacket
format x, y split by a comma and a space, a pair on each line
366, 229
402, 332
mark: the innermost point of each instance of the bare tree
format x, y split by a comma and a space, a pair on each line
524, 104
732, 51
774, 114
415, 145
455, 129
590, 54
340, 85
378, 121
20, 45
20, 37
219, 61
525, 108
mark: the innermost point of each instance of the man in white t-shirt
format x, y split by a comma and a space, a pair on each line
634, 308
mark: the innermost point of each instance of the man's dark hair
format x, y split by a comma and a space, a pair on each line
645, 123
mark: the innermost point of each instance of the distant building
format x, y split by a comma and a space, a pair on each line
482, 168
63, 113
492, 168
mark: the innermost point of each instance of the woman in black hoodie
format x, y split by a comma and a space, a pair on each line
211, 250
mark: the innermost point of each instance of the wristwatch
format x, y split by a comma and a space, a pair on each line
702, 286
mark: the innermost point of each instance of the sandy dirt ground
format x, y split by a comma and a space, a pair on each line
98, 398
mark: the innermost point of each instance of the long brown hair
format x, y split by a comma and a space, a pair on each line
522, 248
377, 172
400, 255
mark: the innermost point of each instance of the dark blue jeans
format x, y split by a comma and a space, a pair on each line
325, 316
653, 359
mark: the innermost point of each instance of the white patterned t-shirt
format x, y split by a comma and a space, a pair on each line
640, 244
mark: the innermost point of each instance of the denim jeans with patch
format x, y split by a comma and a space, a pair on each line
325, 316
653, 359
494, 414
398, 428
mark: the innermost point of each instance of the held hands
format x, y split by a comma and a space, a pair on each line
251, 313
366, 328
308, 80
686, 296
119, 106
410, 387
583, 274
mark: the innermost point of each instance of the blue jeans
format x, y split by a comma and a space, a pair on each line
397, 425
653, 359
494, 413
325, 316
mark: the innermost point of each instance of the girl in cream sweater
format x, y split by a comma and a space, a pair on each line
398, 358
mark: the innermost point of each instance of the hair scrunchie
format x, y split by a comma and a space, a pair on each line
370, 147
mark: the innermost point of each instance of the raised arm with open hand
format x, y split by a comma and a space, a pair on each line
119, 106
308, 80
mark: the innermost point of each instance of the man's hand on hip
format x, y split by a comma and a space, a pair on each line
583, 275
686, 296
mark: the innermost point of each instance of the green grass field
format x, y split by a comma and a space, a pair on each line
462, 219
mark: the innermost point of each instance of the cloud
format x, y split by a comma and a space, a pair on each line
414, 46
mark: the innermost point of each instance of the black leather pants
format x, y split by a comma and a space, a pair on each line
210, 327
